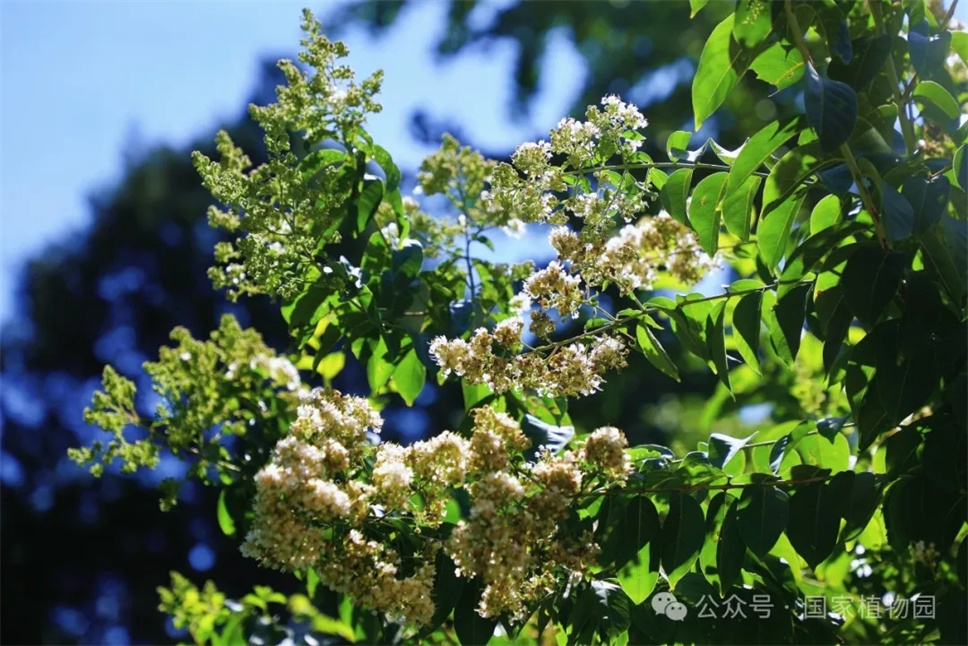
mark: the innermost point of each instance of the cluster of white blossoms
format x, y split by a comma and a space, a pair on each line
490, 358
526, 188
306, 483
514, 538
326, 490
279, 369
605, 451
633, 258
311, 507
612, 244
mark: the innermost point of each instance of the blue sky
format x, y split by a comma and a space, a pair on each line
80, 80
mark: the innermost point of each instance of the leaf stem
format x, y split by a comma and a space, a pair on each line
646, 310
648, 165
865, 195
903, 115
855, 171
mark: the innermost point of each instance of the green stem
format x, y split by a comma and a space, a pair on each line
855, 171
645, 166
865, 196
948, 16
907, 128
646, 310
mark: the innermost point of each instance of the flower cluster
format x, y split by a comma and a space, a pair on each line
599, 252
326, 490
305, 484
280, 208
200, 383
526, 189
513, 538
604, 450
633, 258
312, 505
574, 369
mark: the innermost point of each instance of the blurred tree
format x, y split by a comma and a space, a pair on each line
82, 557
646, 52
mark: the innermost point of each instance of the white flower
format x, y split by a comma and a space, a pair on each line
514, 228
520, 303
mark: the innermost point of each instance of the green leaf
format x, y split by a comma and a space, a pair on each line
654, 351
865, 496
225, 522
938, 105
471, 628
674, 194
746, 328
602, 608
818, 451
831, 109
722, 448
378, 369
752, 22
811, 251
376, 255
789, 313
946, 249
929, 199
814, 521
789, 173
689, 325
825, 214
725, 155
870, 281
704, 213
829, 428
317, 160
408, 260
835, 319
928, 53
233, 632
639, 527
762, 514
682, 535
447, 588
959, 44
716, 342
731, 551
870, 54
637, 577
838, 38
368, 202
306, 309
757, 150
897, 215
721, 65
715, 515
737, 208
677, 145
385, 161
695, 6
773, 232
474, 394
902, 386
410, 376
779, 65
786, 444
959, 167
